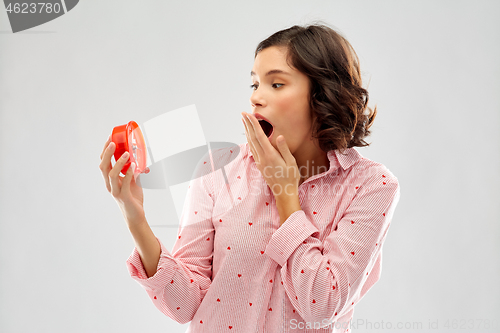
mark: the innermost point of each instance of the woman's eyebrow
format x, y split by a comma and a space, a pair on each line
272, 71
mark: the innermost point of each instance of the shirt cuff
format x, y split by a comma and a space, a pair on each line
289, 236
138, 272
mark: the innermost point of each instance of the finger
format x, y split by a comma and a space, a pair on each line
253, 143
250, 143
285, 151
127, 179
247, 136
106, 155
105, 146
252, 134
105, 164
114, 174
263, 145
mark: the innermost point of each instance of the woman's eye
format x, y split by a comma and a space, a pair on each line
277, 85
254, 86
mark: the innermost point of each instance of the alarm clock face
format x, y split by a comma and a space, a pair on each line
129, 138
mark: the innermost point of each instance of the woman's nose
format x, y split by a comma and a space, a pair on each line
256, 99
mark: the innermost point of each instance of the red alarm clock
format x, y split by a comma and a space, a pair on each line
129, 138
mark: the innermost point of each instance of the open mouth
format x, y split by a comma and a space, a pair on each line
266, 127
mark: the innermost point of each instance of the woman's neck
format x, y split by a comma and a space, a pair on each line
311, 161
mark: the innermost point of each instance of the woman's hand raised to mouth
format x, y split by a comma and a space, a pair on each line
278, 168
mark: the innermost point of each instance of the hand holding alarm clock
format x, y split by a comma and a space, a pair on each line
126, 144
129, 138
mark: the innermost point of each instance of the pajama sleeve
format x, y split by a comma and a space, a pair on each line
325, 279
184, 276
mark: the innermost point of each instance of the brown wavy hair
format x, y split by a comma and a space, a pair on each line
337, 99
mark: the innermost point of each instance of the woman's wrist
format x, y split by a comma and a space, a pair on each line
135, 221
287, 204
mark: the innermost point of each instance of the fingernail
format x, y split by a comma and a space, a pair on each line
125, 155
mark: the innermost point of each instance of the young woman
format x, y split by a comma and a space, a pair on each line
295, 241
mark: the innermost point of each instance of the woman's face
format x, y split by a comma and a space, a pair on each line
281, 95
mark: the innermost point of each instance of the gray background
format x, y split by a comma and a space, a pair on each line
434, 75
